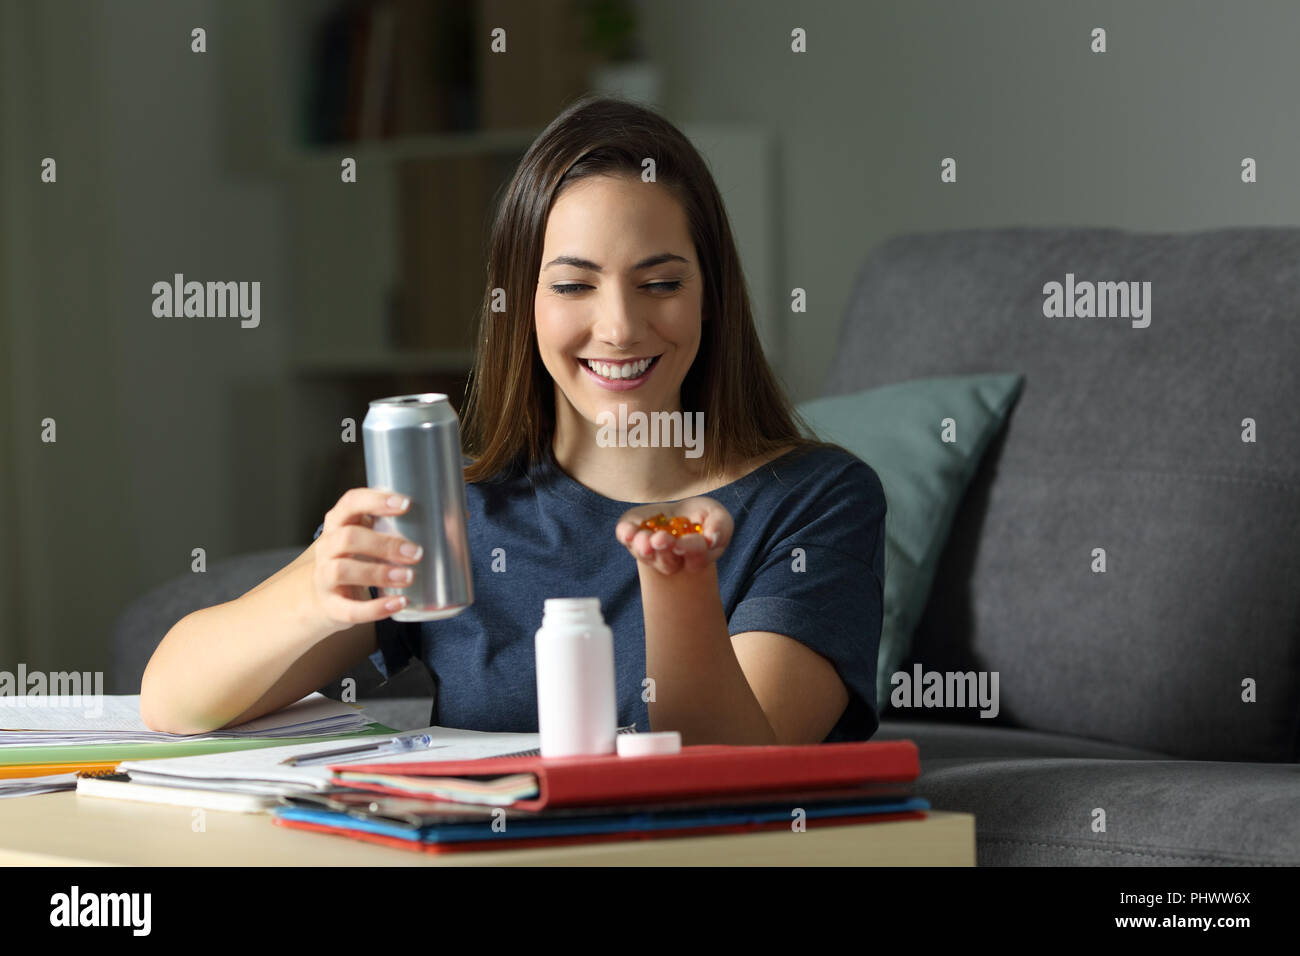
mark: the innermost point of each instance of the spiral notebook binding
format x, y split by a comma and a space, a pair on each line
108, 774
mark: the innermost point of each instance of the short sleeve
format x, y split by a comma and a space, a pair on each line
392, 637
822, 583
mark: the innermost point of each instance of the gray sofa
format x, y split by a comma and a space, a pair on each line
1121, 691
1122, 737
403, 703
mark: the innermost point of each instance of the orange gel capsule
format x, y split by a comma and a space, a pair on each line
676, 526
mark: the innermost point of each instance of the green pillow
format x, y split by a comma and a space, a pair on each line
898, 430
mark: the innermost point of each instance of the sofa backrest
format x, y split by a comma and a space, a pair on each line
140, 627
1125, 447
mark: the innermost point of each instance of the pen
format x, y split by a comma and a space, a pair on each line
393, 745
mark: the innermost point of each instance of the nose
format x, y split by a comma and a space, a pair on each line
618, 321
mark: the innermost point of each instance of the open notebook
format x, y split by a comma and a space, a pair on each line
97, 719
46, 736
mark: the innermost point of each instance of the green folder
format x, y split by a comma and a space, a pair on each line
17, 756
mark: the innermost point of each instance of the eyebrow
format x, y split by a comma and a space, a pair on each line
588, 264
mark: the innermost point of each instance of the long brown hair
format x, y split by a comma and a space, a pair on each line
509, 414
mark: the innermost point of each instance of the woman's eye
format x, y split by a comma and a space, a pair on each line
573, 287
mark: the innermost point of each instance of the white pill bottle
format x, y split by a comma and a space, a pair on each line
577, 713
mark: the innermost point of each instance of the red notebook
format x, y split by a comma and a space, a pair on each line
697, 771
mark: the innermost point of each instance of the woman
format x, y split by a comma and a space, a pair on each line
613, 280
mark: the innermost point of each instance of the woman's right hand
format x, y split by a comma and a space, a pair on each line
350, 557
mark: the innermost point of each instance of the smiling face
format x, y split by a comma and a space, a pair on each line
618, 301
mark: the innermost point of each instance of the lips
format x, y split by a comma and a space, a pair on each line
619, 384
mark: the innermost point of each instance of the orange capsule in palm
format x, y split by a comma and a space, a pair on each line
676, 526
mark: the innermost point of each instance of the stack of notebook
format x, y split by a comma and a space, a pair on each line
54, 737
529, 801
252, 781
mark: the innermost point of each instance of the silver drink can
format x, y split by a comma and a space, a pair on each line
412, 445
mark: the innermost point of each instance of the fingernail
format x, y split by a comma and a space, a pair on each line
396, 603
398, 502
411, 550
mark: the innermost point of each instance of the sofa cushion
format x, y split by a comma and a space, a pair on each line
1127, 439
946, 741
924, 467
1041, 811
140, 627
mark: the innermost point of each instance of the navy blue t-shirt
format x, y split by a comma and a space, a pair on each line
806, 560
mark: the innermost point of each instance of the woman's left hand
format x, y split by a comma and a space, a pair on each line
690, 552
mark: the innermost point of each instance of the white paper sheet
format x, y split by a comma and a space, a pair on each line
266, 765
29, 786
91, 719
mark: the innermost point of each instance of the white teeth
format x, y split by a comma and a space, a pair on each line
627, 370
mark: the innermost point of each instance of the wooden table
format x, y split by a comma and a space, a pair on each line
65, 829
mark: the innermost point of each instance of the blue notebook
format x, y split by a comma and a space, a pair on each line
519, 827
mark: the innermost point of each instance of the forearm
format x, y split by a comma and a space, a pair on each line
700, 689
216, 663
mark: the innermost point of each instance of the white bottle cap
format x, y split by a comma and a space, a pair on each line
641, 745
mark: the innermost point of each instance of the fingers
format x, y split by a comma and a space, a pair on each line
358, 541
352, 557
716, 527
646, 544
350, 572
668, 553
357, 505
352, 611
651, 548
690, 544
626, 530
